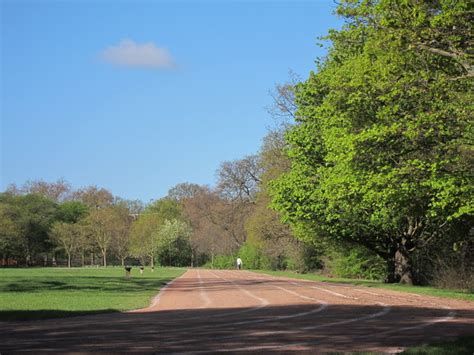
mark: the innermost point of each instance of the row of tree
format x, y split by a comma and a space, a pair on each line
192, 225
41, 218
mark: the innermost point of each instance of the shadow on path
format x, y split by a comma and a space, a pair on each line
293, 327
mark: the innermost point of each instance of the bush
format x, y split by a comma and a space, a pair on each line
253, 257
221, 262
357, 262
447, 262
455, 277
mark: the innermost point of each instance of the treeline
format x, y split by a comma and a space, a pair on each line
42, 220
43, 223
370, 173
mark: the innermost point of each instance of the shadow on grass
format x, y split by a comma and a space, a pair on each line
463, 345
308, 327
47, 314
84, 283
116, 284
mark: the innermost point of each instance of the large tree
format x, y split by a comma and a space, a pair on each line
208, 238
173, 247
121, 236
144, 239
9, 233
102, 226
94, 197
32, 216
71, 211
266, 233
57, 191
382, 147
67, 237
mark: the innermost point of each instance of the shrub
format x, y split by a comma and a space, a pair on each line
356, 262
221, 262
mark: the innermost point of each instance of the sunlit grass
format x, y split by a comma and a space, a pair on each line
56, 292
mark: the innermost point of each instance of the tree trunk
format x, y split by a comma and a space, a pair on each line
391, 276
152, 261
104, 256
169, 254
403, 267
28, 257
83, 259
123, 261
68, 260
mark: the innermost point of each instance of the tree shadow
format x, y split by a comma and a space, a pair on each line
115, 284
310, 328
84, 283
22, 315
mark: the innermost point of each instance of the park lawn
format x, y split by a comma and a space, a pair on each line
460, 346
420, 290
38, 293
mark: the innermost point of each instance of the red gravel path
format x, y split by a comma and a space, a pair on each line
211, 311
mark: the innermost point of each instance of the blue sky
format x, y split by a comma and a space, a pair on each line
137, 96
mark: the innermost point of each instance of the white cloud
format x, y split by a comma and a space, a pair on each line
130, 54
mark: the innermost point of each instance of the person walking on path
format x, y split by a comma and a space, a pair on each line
239, 263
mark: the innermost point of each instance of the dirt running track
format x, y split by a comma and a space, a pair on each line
240, 311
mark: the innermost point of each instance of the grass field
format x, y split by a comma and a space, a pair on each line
38, 293
461, 346
421, 290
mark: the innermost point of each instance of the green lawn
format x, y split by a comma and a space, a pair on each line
421, 290
35, 293
461, 346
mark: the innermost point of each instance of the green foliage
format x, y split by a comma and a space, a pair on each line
165, 209
172, 243
222, 262
253, 257
382, 148
29, 219
9, 231
72, 211
460, 346
143, 237
355, 263
66, 236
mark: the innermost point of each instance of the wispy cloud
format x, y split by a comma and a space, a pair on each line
130, 54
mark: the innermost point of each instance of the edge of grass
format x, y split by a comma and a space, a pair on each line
420, 290
459, 346
15, 307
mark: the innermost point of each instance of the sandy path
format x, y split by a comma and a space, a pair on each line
210, 311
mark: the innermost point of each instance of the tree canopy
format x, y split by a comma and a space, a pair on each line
382, 132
